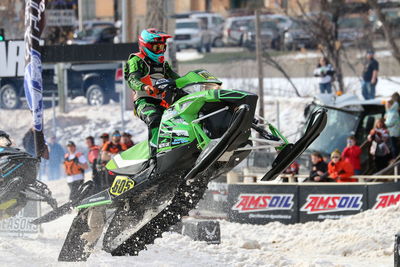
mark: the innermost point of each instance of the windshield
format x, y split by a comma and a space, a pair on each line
192, 88
299, 25
351, 23
340, 125
187, 25
264, 25
90, 33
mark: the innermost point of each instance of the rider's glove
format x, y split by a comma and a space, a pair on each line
165, 84
150, 90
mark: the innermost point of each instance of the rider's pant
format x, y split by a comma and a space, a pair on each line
149, 110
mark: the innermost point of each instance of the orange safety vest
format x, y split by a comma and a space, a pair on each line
71, 166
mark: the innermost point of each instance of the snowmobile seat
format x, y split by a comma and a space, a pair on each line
131, 161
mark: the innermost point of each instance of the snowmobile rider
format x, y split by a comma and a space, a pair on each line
141, 72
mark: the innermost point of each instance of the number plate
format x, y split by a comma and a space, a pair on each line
121, 184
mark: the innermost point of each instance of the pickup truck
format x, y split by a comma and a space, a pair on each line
96, 82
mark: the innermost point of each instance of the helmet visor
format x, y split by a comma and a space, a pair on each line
156, 48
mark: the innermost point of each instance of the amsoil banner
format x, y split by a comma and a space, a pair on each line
318, 203
383, 195
262, 204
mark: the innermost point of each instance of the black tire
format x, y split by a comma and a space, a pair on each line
218, 42
96, 96
241, 41
9, 98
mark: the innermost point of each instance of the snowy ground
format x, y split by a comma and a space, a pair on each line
365, 239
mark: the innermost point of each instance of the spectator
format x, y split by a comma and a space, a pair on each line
105, 137
370, 76
28, 142
112, 147
56, 158
393, 124
292, 170
325, 71
396, 98
352, 154
74, 165
126, 141
379, 137
319, 168
339, 169
93, 155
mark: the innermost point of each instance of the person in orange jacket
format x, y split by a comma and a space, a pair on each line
340, 170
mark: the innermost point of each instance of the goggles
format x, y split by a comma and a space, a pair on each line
157, 48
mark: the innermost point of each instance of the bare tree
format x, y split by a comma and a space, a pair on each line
386, 29
323, 27
275, 64
155, 14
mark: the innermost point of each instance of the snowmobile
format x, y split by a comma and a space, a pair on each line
203, 134
18, 183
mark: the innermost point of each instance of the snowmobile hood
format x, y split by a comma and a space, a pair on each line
137, 154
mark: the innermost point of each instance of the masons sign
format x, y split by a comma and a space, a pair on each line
20, 225
14, 62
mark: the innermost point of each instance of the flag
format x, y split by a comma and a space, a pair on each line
33, 86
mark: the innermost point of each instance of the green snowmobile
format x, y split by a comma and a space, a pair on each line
203, 134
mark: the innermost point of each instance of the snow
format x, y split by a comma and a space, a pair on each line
79, 122
365, 239
188, 55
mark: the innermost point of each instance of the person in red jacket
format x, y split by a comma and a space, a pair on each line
339, 169
352, 154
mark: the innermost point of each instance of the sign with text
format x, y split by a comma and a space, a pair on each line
60, 17
383, 195
318, 203
20, 225
262, 204
13, 61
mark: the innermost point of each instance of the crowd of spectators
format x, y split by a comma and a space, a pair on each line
383, 142
70, 162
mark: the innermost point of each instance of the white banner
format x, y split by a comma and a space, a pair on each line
60, 17
20, 225
12, 54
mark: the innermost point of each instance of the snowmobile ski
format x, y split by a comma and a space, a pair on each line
290, 152
83, 191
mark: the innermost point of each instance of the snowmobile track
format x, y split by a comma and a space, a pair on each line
186, 199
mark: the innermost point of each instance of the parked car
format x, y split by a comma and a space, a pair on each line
354, 30
94, 81
187, 34
235, 29
95, 35
214, 23
282, 22
270, 37
297, 36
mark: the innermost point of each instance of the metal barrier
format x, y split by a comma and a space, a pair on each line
250, 177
